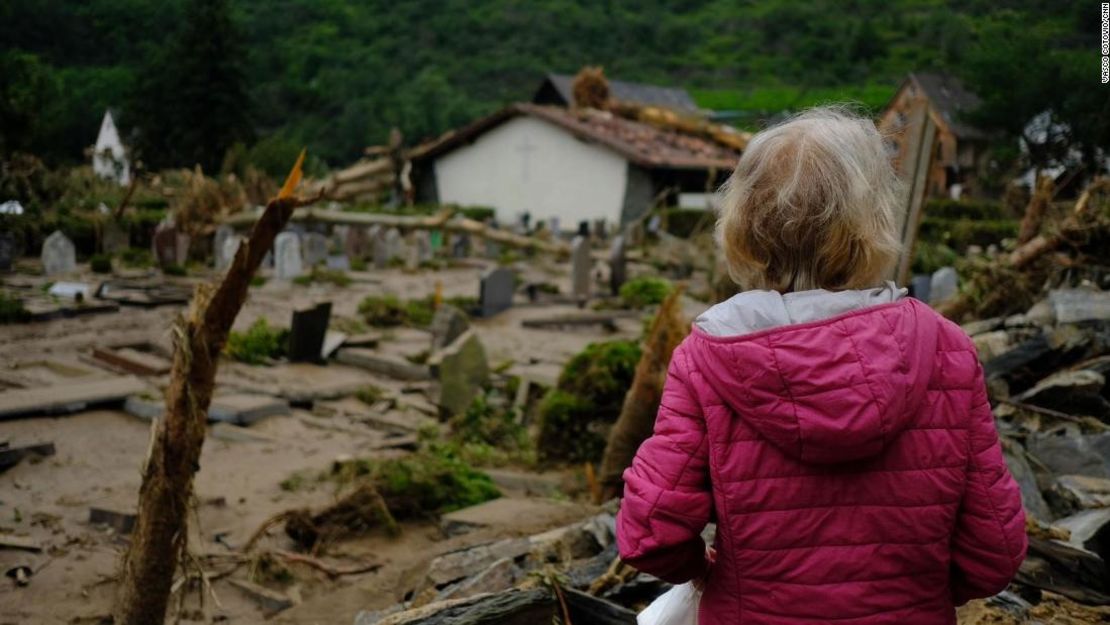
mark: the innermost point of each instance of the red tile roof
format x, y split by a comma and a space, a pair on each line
646, 145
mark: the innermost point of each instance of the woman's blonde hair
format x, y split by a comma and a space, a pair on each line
813, 204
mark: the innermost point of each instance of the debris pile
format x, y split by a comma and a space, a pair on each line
1040, 319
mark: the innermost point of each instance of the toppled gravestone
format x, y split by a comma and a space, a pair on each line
447, 325
1073, 493
460, 370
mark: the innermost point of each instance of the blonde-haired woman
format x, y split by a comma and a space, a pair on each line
836, 431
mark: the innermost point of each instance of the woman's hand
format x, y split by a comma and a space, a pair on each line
710, 559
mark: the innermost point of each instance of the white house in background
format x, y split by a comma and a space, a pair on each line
571, 164
109, 156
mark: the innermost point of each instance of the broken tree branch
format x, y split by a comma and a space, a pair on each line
160, 534
440, 221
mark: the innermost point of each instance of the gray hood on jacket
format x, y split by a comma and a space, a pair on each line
752, 311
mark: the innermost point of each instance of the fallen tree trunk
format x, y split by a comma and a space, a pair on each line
637, 418
439, 221
161, 533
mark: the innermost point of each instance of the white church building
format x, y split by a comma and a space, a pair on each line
109, 155
571, 164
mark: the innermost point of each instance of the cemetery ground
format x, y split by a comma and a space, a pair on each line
249, 473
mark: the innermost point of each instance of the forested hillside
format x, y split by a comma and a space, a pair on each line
336, 75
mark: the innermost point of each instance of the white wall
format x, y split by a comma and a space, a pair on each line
527, 164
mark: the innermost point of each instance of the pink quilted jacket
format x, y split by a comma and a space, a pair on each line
852, 467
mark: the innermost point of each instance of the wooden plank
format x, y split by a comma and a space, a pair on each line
921, 136
69, 397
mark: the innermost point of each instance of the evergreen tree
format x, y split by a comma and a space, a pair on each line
191, 102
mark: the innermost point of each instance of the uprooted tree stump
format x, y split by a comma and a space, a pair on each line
637, 416
161, 535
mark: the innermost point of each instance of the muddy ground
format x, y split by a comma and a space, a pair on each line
100, 452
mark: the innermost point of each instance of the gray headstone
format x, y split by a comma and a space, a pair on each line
7, 251
394, 246
943, 285
287, 256
553, 224
223, 233
580, 266
377, 242
314, 248
228, 251
58, 254
920, 287
461, 369
306, 333
496, 292
448, 324
1075, 305
422, 241
460, 247
618, 267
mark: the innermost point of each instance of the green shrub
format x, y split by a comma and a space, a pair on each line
589, 394
12, 310
174, 270
101, 263
259, 343
478, 213
388, 311
928, 257
257, 280
324, 275
486, 434
136, 257
958, 234
645, 291
428, 482
370, 395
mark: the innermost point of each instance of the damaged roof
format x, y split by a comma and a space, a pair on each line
951, 100
646, 145
562, 86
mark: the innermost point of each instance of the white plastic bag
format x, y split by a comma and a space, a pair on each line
677, 606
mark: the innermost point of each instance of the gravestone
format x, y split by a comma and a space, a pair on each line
171, 246
394, 246
460, 248
919, 287
355, 243
376, 236
461, 370
58, 254
943, 285
493, 249
314, 248
448, 324
306, 333
287, 256
618, 267
580, 265
7, 251
229, 250
496, 292
223, 233
422, 241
